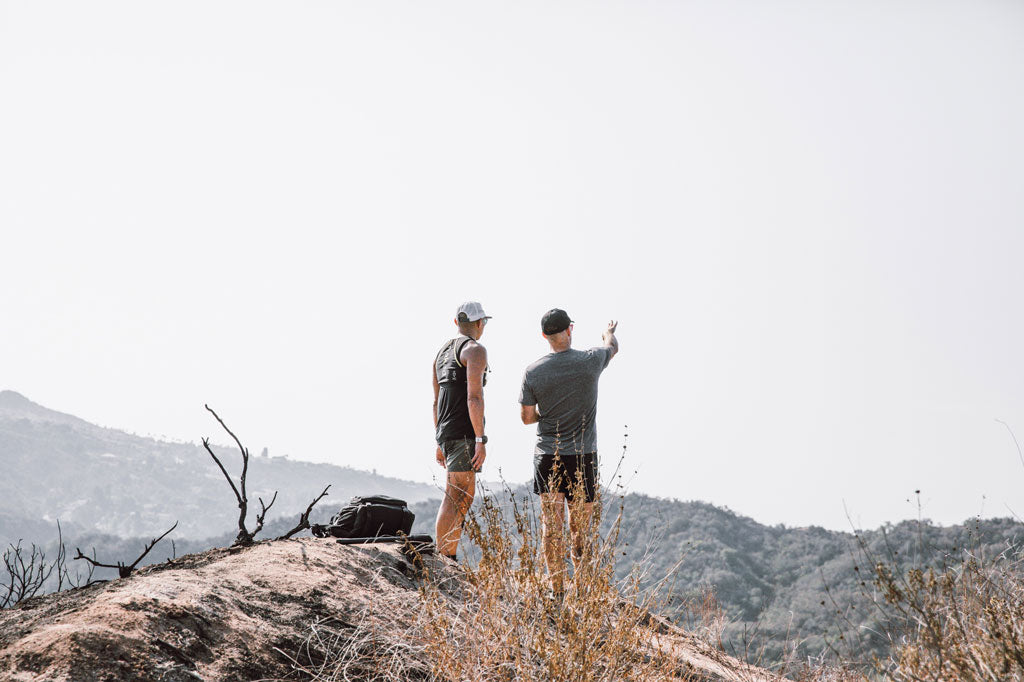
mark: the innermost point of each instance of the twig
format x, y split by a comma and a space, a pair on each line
304, 517
1014, 437
263, 513
124, 571
26, 577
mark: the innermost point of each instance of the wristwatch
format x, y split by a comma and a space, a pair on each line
481, 439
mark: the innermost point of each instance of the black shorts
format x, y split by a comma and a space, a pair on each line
564, 473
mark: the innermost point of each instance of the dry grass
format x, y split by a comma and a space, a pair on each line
513, 622
962, 623
501, 620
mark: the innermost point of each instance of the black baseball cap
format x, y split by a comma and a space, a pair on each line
554, 321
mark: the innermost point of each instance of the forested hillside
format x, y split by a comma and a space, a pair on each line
777, 584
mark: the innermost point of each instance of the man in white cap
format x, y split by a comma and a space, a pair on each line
459, 376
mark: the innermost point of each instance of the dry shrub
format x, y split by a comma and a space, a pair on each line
499, 619
513, 623
965, 622
703, 617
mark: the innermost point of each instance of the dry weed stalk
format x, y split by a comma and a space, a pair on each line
704, 617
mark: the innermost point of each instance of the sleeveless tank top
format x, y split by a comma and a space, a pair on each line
453, 420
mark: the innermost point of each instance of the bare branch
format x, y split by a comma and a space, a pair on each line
26, 573
124, 571
92, 561
62, 560
206, 444
244, 537
89, 574
150, 546
304, 517
263, 513
8, 599
245, 452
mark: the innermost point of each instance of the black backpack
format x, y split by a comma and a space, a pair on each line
370, 517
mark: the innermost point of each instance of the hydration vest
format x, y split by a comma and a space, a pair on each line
453, 420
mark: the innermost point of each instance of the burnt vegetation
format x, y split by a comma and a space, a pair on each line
123, 570
28, 571
244, 537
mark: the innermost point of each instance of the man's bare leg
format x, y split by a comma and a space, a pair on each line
581, 518
458, 497
552, 508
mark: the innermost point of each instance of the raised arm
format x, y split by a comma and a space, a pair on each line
609, 338
474, 357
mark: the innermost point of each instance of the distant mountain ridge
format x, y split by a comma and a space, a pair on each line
57, 466
13, 403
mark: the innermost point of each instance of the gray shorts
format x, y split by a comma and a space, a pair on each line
458, 454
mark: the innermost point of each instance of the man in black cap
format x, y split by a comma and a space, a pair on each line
559, 395
459, 376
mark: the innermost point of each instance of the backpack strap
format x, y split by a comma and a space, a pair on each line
459, 345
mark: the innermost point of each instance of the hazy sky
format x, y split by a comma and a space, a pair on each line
808, 217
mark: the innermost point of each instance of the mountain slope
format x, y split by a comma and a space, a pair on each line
57, 466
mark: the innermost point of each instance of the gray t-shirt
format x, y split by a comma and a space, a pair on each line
563, 386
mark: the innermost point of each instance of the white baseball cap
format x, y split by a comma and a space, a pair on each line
471, 311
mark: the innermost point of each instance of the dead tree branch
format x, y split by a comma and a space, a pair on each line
263, 513
244, 537
61, 562
26, 573
123, 570
304, 516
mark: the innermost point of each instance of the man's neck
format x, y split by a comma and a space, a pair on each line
560, 349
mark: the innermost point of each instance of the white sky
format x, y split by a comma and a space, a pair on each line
808, 217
